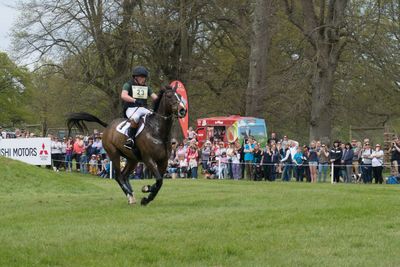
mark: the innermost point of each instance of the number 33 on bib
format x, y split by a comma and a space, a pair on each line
140, 92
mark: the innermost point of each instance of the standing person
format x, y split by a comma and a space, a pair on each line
356, 145
377, 164
64, 153
90, 148
272, 139
240, 150
68, 154
56, 153
313, 161
249, 157
230, 153
395, 156
223, 166
347, 162
236, 167
266, 161
366, 165
298, 161
276, 159
180, 155
78, 148
323, 163
287, 167
134, 94
335, 157
97, 144
257, 170
285, 142
84, 160
192, 158
205, 154
306, 166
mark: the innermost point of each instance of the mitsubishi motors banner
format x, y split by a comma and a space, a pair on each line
35, 151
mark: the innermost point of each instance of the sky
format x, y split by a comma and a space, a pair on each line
7, 17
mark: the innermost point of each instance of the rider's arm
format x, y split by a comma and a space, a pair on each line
153, 96
126, 97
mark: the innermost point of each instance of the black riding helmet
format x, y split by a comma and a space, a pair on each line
140, 71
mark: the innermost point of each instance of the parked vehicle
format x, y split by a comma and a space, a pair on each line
231, 128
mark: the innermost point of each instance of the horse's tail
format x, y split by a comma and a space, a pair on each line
77, 120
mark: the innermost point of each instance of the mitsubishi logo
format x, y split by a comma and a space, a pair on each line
43, 151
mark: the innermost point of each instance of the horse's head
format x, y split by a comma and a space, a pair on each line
174, 102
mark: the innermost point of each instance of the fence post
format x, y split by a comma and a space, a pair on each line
332, 173
111, 170
219, 168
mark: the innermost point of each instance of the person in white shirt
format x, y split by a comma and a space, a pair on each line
377, 164
56, 150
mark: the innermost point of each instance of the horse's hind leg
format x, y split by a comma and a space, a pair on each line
115, 158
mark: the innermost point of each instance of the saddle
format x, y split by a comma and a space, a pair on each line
124, 126
123, 129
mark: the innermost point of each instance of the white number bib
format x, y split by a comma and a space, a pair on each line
140, 92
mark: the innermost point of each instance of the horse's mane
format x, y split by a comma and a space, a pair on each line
158, 101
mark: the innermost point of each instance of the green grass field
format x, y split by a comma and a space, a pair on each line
58, 219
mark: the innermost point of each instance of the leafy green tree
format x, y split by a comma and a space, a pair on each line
14, 92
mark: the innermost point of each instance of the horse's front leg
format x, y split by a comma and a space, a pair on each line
130, 166
153, 190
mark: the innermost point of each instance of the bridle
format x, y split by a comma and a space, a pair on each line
176, 115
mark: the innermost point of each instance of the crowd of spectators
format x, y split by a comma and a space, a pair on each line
284, 159
87, 152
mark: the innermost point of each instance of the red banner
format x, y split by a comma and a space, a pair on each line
184, 122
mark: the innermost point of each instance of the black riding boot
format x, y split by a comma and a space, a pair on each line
131, 140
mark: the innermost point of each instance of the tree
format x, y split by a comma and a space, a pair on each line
261, 41
14, 92
322, 24
97, 35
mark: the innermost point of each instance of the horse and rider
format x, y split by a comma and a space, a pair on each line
152, 145
135, 94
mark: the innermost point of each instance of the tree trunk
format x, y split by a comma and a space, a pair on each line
322, 31
321, 108
257, 87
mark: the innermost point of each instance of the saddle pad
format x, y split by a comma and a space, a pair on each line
123, 129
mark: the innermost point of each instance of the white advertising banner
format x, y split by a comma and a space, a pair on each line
35, 151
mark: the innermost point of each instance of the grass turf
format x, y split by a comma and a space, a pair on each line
58, 219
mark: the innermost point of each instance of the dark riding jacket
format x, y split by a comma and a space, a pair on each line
139, 102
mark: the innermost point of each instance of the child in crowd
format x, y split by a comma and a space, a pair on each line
93, 165
105, 169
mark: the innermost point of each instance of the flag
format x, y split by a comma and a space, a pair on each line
184, 122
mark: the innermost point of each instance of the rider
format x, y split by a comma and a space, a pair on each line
135, 94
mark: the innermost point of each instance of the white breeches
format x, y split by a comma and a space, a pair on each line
136, 113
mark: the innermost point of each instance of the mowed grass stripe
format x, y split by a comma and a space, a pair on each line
75, 220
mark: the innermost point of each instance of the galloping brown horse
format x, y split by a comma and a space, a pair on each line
153, 142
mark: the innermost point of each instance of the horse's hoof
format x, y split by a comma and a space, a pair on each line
146, 188
144, 201
132, 200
